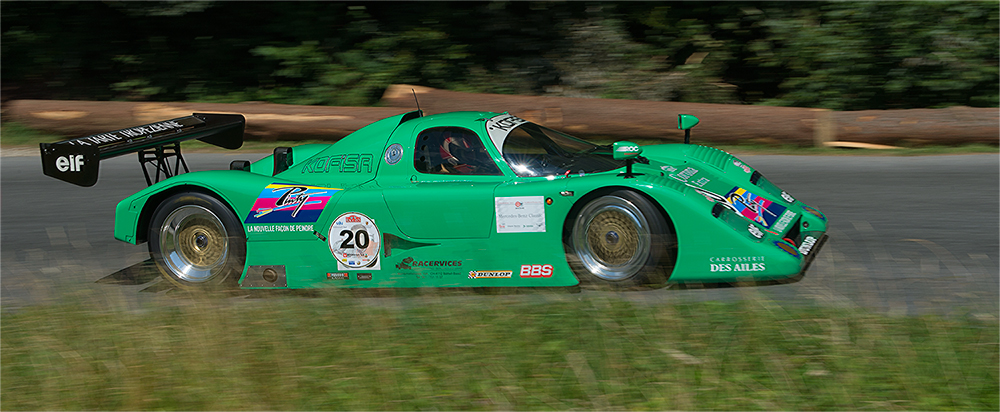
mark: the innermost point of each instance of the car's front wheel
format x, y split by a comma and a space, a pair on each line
620, 239
197, 242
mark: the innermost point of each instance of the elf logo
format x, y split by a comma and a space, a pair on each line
71, 163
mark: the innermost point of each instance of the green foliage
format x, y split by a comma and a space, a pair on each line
853, 56
435, 351
839, 55
16, 134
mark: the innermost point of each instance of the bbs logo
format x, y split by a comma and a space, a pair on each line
353, 219
536, 271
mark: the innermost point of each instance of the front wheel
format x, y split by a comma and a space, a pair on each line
197, 242
620, 239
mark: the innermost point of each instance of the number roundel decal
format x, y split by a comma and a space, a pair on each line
355, 240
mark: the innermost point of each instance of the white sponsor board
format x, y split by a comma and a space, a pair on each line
520, 214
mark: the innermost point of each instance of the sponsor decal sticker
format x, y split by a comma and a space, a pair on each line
394, 153
342, 163
278, 228
503, 124
364, 276
686, 175
737, 267
338, 276
787, 248
355, 242
285, 203
737, 264
814, 212
788, 198
741, 165
520, 214
807, 245
500, 126
536, 271
489, 274
410, 263
736, 259
72, 163
754, 207
137, 132
755, 231
784, 220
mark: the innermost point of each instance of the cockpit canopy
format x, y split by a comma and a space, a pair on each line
533, 150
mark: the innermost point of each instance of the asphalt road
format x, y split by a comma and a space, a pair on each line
909, 235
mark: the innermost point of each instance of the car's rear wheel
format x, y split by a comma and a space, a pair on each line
620, 239
197, 242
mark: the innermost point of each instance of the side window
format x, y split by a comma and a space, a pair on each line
452, 151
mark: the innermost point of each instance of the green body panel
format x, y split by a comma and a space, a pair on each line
442, 230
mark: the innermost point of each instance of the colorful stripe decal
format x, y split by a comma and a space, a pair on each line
754, 207
289, 203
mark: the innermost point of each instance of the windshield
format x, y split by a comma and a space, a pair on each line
533, 150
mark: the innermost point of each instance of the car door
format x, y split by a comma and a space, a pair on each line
443, 188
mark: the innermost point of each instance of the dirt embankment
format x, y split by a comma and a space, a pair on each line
624, 119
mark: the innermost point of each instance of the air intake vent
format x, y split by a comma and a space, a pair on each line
711, 156
717, 209
666, 182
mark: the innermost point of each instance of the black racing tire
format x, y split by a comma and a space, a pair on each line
620, 240
197, 242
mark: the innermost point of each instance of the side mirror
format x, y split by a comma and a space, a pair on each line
628, 152
625, 150
685, 122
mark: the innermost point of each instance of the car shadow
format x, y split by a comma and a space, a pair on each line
138, 274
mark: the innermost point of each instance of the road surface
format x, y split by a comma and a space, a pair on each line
909, 235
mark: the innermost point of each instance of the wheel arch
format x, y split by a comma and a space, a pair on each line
154, 201
574, 211
594, 194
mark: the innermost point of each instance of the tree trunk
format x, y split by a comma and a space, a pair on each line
266, 122
636, 119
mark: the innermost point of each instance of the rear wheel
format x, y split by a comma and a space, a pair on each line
620, 239
197, 242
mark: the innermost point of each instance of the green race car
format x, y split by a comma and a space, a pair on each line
463, 199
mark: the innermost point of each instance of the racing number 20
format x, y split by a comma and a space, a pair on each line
355, 242
360, 238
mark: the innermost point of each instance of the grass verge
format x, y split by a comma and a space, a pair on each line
14, 134
339, 352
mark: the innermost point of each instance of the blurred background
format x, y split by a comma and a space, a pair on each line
835, 55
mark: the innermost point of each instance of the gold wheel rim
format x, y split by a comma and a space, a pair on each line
613, 237
193, 244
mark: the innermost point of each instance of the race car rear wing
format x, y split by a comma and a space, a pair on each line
76, 160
